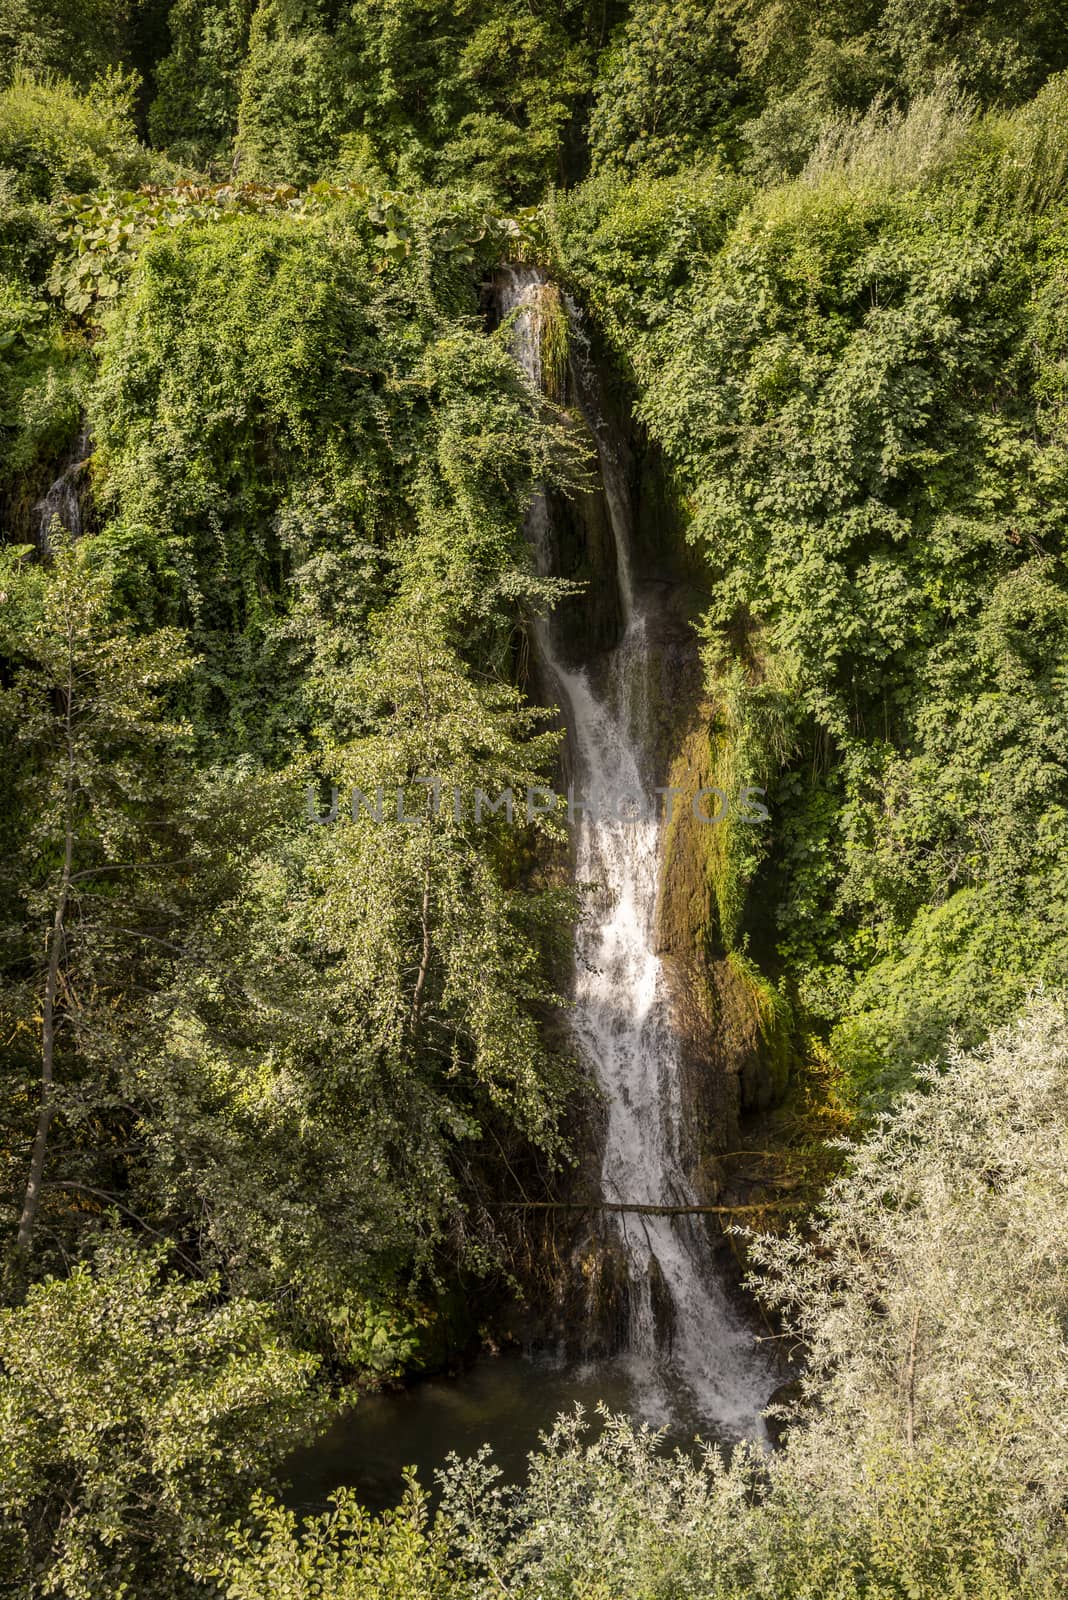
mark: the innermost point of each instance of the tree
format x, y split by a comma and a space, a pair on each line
83, 707
482, 92
56, 141
932, 1295
198, 81
1001, 52
666, 88
80, 40
363, 1010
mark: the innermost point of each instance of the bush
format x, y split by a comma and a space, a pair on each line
346, 1554
59, 141
136, 1414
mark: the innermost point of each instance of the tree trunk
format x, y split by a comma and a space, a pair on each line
424, 963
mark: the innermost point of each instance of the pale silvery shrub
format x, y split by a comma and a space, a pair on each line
932, 1299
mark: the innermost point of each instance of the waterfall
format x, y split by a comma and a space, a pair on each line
687, 1348
63, 497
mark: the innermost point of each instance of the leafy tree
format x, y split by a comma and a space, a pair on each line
78, 40
328, 1149
1000, 52
930, 1296
83, 708
137, 1414
294, 91
666, 87
482, 92
194, 109
354, 409
358, 1010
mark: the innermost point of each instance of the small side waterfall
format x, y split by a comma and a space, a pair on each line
62, 499
689, 1353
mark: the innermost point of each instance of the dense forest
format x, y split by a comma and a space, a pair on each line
267, 462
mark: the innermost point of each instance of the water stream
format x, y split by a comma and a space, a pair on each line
690, 1352
62, 499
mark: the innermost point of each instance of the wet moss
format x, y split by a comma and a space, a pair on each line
736, 1026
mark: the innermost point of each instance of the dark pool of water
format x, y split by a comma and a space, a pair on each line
505, 1401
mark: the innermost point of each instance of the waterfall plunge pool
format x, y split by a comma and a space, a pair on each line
506, 1401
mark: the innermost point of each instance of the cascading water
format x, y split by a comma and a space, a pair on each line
688, 1352
63, 497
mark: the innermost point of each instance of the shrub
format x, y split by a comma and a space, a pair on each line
60, 141
136, 1414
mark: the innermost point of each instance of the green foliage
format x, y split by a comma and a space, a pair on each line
293, 92
43, 380
86, 846
830, 257
102, 234
194, 111
779, 141
666, 87
1000, 52
345, 1553
60, 142
137, 1415
351, 405
852, 390
891, 147
316, 465
480, 93
758, 733
322, 1145
959, 1283
1033, 170
612, 1517
79, 40
678, 81
629, 245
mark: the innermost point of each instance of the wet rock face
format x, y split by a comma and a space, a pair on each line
597, 1311
735, 1045
590, 623
51, 493
594, 1307
665, 1314
580, 544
